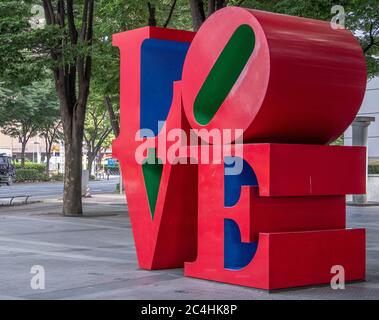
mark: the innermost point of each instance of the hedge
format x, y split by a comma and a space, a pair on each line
56, 177
40, 167
24, 175
373, 169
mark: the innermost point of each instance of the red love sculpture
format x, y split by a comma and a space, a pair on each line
268, 213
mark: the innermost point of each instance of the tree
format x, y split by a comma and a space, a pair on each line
50, 128
20, 44
25, 111
198, 10
17, 121
112, 116
152, 18
72, 56
362, 17
51, 132
363, 20
97, 130
115, 16
197, 13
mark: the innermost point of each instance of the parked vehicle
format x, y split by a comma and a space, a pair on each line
7, 170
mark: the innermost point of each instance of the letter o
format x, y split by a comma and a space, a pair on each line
278, 78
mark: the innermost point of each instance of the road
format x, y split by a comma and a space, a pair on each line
46, 190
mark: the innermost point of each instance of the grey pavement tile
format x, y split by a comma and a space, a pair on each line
93, 257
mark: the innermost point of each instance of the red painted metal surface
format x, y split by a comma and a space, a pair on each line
285, 260
291, 214
170, 238
297, 236
308, 170
304, 82
301, 88
129, 44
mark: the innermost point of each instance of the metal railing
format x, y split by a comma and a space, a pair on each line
11, 198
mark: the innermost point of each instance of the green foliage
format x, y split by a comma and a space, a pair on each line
56, 177
373, 169
28, 101
97, 124
23, 49
27, 110
339, 142
181, 17
30, 105
27, 93
30, 175
40, 167
114, 16
14, 17
362, 18
97, 133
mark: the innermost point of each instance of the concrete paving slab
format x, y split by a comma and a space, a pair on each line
93, 257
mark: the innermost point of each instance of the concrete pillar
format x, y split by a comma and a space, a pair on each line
360, 138
85, 180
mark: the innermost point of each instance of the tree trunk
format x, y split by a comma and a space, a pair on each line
170, 14
114, 122
197, 13
72, 79
48, 152
152, 21
23, 147
90, 159
72, 195
211, 7
222, 4
48, 157
73, 127
98, 158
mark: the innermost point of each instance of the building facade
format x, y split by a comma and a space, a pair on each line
370, 108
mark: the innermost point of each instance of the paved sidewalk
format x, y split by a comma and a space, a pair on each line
93, 257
